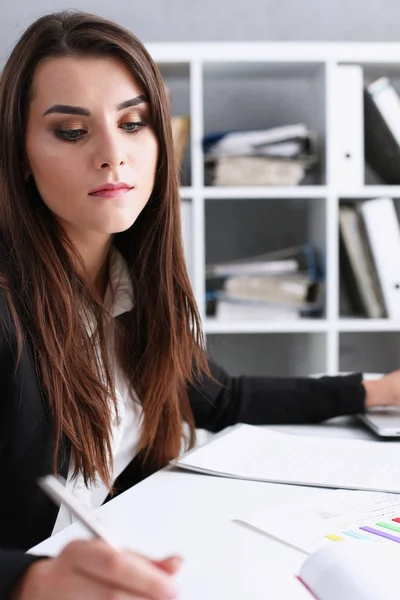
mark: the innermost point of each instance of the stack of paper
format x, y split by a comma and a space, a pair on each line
255, 453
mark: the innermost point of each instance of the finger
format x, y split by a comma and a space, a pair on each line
58, 582
127, 572
170, 565
81, 587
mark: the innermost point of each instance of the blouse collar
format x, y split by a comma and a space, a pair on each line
119, 293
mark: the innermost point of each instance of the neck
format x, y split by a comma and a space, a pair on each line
94, 251
98, 274
96, 267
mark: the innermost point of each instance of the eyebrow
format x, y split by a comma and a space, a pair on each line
79, 110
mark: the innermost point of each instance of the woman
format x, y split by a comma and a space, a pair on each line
102, 364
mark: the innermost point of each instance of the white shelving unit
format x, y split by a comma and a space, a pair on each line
233, 85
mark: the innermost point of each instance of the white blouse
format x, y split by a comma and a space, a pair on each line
126, 428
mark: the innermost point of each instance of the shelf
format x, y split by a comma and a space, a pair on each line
301, 326
301, 191
367, 325
370, 191
295, 326
287, 52
310, 191
262, 193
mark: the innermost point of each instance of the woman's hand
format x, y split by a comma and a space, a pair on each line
383, 391
92, 570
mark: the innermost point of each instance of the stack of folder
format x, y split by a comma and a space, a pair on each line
285, 284
275, 156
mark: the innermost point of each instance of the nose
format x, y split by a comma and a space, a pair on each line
110, 152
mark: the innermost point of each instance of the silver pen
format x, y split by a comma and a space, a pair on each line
57, 491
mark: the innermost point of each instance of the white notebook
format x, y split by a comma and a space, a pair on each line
340, 572
256, 453
379, 215
348, 131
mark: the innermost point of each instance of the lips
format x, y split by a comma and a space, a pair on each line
111, 190
110, 187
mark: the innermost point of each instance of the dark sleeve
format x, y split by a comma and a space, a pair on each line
13, 564
228, 400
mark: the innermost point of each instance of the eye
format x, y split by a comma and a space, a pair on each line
70, 135
133, 126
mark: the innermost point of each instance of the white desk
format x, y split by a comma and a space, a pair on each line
193, 515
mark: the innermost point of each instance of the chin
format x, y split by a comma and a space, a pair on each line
116, 226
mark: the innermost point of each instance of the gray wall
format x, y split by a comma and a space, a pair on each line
211, 20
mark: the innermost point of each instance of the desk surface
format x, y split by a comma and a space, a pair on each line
194, 515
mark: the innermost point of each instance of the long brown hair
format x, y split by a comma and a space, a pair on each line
160, 340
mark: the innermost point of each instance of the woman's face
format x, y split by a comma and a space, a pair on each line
89, 127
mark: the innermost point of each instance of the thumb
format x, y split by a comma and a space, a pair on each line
170, 564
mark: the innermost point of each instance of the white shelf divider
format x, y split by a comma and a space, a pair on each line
212, 325
198, 216
371, 191
263, 193
368, 325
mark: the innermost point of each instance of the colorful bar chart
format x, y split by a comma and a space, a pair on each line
378, 529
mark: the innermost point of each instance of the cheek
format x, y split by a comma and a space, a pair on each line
54, 171
51, 165
146, 160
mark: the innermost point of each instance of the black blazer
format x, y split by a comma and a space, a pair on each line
27, 516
